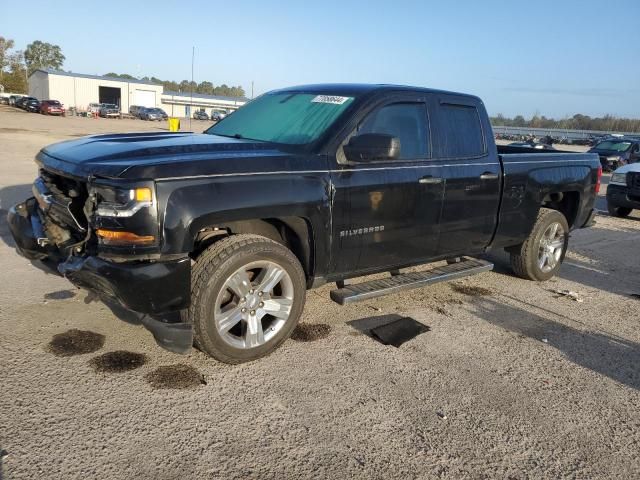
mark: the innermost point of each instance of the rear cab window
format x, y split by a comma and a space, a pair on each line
460, 132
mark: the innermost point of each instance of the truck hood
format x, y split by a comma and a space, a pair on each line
629, 168
160, 155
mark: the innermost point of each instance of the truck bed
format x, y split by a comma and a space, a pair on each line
532, 177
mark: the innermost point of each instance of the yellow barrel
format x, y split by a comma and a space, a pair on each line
174, 124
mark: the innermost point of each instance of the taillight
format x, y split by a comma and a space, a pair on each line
599, 180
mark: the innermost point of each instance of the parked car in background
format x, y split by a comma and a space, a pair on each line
135, 110
535, 145
623, 191
14, 98
200, 115
94, 108
51, 107
217, 115
20, 103
32, 106
153, 114
617, 151
109, 110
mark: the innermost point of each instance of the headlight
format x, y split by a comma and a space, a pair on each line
619, 178
118, 202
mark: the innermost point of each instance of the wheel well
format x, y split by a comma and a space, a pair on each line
295, 233
566, 203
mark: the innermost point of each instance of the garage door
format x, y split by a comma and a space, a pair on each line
144, 98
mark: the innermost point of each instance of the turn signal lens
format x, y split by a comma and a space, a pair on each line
142, 194
118, 237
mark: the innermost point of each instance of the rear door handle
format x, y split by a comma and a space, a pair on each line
489, 176
430, 180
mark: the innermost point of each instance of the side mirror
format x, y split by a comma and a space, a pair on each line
369, 147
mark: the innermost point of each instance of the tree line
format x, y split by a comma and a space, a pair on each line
17, 65
608, 123
205, 88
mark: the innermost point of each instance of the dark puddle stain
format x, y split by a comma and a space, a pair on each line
118, 361
60, 295
470, 290
309, 332
75, 342
177, 377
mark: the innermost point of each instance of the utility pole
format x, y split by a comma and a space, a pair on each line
251, 89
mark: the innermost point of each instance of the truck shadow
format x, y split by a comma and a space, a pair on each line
614, 357
9, 196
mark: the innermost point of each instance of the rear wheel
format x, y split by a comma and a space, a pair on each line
540, 256
616, 211
247, 295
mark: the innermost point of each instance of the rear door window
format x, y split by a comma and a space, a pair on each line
407, 121
460, 131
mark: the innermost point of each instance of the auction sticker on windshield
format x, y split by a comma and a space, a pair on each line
330, 99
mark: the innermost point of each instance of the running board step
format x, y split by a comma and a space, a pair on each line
408, 281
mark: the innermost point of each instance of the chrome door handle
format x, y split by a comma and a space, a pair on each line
430, 180
489, 176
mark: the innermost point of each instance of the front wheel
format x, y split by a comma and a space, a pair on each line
616, 211
247, 295
540, 256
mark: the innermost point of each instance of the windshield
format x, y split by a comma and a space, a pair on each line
614, 145
283, 117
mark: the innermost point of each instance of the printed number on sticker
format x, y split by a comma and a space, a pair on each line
330, 99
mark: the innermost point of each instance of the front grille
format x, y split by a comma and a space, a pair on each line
634, 180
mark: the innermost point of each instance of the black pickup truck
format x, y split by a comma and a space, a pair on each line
300, 187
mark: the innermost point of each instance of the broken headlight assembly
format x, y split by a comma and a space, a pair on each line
125, 215
122, 202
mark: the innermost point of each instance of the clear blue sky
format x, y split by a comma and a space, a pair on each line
556, 57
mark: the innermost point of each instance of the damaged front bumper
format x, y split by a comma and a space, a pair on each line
155, 288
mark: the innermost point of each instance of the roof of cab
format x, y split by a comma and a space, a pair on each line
348, 89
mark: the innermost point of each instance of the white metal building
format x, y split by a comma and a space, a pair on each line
79, 90
179, 104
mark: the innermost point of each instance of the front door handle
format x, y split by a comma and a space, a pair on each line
430, 180
489, 176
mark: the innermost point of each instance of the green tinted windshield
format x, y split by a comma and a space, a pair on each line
617, 146
289, 118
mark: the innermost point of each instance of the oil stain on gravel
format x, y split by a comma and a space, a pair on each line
118, 361
75, 342
470, 290
309, 332
178, 377
60, 295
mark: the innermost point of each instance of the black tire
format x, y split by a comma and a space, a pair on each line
616, 211
525, 258
213, 268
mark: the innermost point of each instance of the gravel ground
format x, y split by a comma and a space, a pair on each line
512, 380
